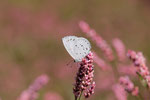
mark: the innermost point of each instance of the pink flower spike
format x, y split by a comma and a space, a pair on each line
120, 49
52, 96
84, 26
31, 92
128, 85
135, 91
84, 78
119, 92
90, 91
140, 64
100, 62
127, 69
100, 42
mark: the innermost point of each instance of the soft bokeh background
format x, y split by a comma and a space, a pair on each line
31, 32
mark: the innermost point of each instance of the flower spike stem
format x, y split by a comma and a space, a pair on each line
80, 95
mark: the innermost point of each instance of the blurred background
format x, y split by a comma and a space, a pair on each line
30, 40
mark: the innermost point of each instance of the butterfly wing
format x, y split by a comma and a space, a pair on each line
68, 42
81, 48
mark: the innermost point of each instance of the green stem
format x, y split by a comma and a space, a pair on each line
80, 95
76, 98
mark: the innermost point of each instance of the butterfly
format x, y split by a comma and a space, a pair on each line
77, 47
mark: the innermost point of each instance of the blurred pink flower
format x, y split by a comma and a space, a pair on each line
52, 96
84, 77
100, 62
141, 68
105, 81
31, 92
128, 85
119, 92
127, 70
100, 42
120, 49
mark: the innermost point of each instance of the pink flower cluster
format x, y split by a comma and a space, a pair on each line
119, 92
100, 42
116, 68
31, 92
127, 69
120, 49
84, 78
90, 91
128, 85
141, 68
